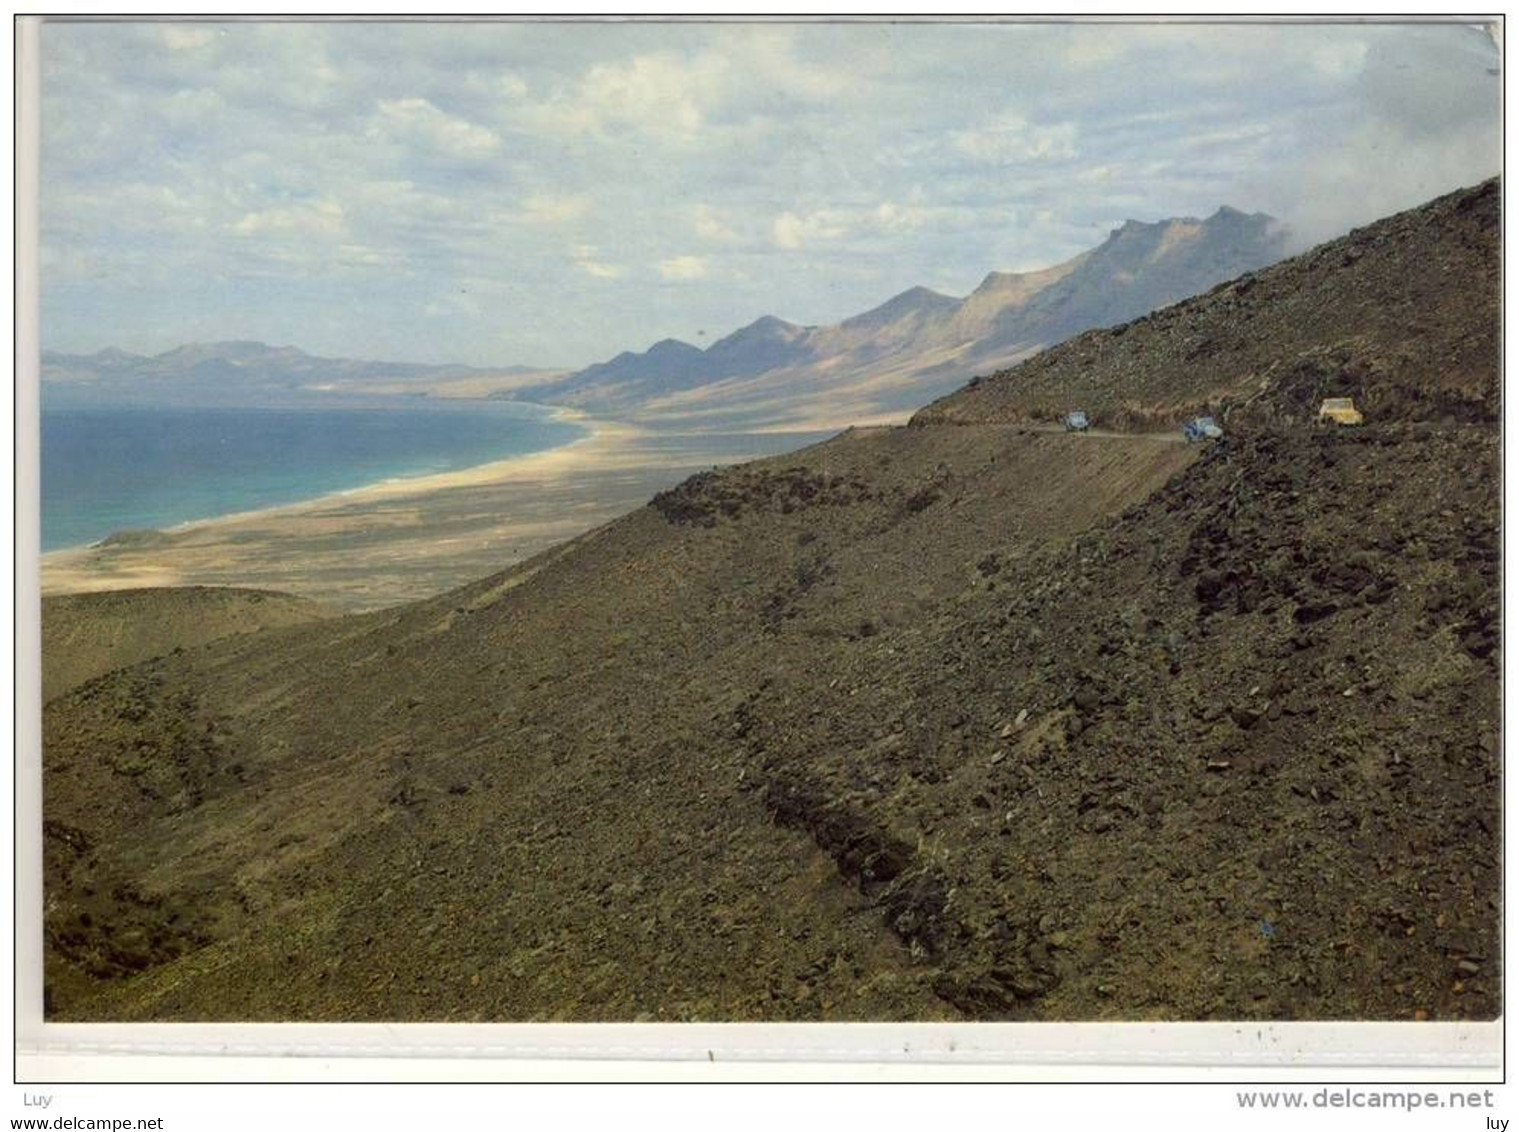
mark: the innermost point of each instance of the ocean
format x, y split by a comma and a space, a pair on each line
110, 470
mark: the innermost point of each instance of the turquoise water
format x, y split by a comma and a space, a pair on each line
108, 470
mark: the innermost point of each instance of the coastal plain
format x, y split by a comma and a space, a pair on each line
407, 539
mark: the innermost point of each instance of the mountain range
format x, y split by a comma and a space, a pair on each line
919, 344
877, 365
206, 374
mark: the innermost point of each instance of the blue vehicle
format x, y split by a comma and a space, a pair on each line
1201, 428
1077, 422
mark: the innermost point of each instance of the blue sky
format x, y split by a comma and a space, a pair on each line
552, 194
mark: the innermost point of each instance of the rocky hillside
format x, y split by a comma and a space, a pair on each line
973, 719
1417, 343
85, 635
921, 343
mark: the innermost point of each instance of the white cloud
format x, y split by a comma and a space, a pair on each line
768, 59
363, 255
710, 226
188, 37
683, 267
900, 217
417, 121
742, 79
193, 108
1013, 138
659, 95
794, 232
554, 208
585, 257
319, 218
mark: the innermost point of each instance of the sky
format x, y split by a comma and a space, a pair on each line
553, 194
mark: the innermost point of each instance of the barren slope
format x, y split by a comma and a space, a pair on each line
84, 635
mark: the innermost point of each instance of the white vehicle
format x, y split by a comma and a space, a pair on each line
1202, 428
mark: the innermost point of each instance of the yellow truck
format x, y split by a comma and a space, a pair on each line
1340, 411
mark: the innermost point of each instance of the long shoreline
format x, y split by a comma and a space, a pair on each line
426, 481
406, 538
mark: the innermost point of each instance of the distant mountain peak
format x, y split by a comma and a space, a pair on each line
1225, 216
229, 351
914, 300
770, 324
1234, 219
670, 346
996, 280
766, 327
921, 296
111, 356
766, 343
1012, 288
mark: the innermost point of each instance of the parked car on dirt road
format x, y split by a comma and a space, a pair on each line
1201, 428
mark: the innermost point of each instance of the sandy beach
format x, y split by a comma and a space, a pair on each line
404, 539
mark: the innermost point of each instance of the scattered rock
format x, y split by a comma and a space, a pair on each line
1245, 718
